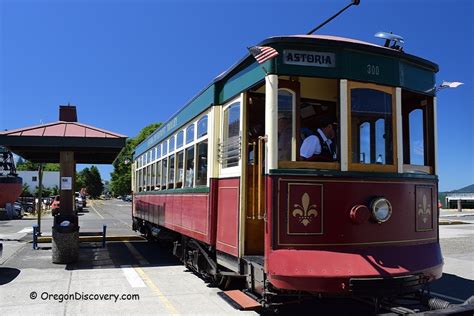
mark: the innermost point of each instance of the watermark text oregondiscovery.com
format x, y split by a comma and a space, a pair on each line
83, 296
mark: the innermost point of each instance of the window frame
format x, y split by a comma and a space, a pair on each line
162, 182
227, 172
353, 166
428, 127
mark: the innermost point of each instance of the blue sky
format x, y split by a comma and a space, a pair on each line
126, 64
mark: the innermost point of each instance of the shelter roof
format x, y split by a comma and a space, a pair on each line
43, 143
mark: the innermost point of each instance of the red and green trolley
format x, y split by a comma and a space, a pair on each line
234, 195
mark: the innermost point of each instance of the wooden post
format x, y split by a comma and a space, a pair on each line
40, 196
65, 241
67, 170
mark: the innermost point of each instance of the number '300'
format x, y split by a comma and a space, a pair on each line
373, 70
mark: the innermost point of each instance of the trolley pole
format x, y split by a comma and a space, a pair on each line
354, 2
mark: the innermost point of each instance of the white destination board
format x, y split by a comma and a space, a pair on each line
307, 58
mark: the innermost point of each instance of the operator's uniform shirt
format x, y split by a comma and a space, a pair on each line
312, 145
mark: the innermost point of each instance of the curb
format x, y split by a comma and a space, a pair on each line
47, 239
452, 222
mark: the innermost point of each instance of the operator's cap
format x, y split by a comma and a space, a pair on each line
325, 121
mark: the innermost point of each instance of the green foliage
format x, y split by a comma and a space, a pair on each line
80, 179
44, 192
120, 183
54, 190
26, 190
25, 165
91, 180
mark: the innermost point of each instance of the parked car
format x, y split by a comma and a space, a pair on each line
1, 249
79, 202
19, 211
26, 205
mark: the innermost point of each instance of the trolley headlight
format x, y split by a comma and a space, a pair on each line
381, 209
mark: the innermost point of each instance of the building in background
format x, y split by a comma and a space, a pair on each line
465, 200
31, 178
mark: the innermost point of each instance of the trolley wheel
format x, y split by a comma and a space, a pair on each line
149, 236
222, 281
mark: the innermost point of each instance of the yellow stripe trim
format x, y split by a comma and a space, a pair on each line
157, 291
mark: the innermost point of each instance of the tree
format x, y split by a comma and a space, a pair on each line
44, 191
25, 190
94, 183
91, 180
80, 179
55, 190
25, 165
120, 183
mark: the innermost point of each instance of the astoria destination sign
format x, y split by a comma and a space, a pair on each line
304, 58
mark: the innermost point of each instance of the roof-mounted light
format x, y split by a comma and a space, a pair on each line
390, 37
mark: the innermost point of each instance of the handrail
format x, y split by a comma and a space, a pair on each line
254, 175
261, 144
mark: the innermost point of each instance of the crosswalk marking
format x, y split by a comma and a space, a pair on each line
132, 276
26, 230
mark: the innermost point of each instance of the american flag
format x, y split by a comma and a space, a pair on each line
263, 53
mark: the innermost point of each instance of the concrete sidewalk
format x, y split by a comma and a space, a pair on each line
455, 213
125, 278
454, 217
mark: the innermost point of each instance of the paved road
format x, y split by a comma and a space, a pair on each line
150, 271
135, 277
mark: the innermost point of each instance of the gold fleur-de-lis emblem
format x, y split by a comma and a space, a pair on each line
305, 213
425, 209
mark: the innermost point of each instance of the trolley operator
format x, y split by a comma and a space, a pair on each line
321, 146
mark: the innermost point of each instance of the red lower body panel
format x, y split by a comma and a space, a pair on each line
330, 271
227, 234
188, 214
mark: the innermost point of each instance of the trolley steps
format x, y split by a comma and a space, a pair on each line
240, 300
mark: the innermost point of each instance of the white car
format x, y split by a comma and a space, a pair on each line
79, 202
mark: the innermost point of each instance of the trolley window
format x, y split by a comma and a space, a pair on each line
230, 145
158, 151
418, 132
158, 175
202, 127
179, 169
201, 177
148, 177
308, 117
164, 173
165, 148
190, 134
153, 176
171, 172
285, 123
189, 174
171, 144
179, 139
372, 127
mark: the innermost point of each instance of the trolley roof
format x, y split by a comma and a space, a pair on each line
352, 57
